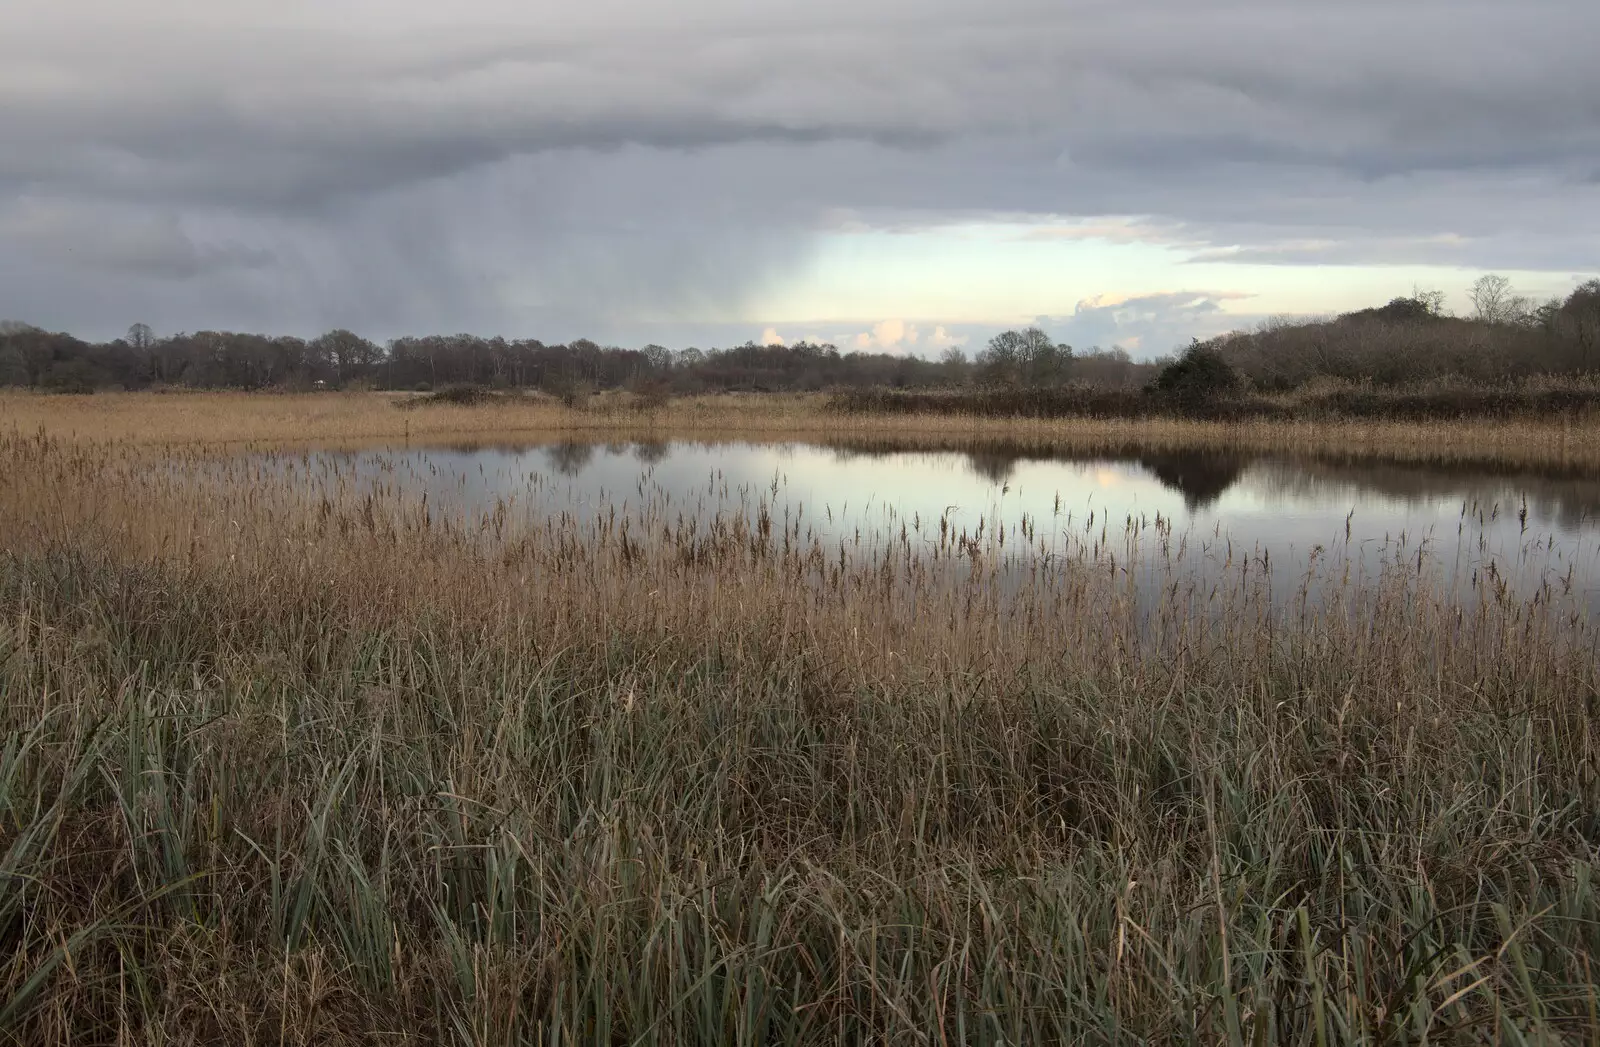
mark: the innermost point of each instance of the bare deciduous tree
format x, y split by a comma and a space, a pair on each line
1494, 302
1432, 301
347, 353
1027, 356
659, 357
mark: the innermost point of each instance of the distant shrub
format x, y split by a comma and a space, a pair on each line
1198, 376
453, 395
461, 395
1000, 402
576, 395
650, 395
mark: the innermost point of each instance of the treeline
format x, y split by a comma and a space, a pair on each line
1406, 360
343, 359
1407, 341
1411, 340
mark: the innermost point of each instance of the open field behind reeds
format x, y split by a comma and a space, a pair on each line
295, 764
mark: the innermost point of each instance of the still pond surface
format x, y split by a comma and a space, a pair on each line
1210, 510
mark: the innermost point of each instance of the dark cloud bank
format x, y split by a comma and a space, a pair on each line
637, 171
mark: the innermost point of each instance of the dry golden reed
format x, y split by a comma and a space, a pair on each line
290, 757
374, 419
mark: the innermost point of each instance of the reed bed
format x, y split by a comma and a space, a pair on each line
347, 420
288, 758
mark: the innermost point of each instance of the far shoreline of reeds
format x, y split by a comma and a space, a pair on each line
232, 421
1569, 401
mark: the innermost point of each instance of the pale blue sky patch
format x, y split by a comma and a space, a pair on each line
1107, 282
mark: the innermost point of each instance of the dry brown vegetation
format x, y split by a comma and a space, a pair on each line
368, 419
1200, 386
284, 759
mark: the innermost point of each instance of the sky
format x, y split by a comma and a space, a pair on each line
903, 175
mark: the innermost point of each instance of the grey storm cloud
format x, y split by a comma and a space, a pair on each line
507, 165
101, 237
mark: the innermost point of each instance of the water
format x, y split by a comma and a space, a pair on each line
1214, 511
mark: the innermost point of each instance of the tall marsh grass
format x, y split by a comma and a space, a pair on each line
285, 761
347, 420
